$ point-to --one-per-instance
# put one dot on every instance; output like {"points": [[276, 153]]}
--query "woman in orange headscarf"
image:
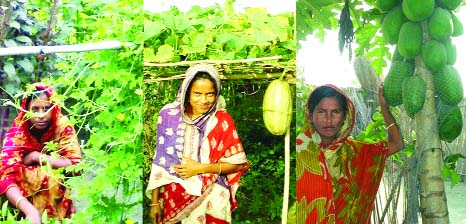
{"points": [[40, 137], [338, 177]]}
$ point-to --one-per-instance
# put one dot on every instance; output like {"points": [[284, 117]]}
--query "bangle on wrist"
{"points": [[220, 170], [154, 204], [18, 201]]}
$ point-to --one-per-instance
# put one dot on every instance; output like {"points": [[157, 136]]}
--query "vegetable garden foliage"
{"points": [[100, 91], [218, 32]]}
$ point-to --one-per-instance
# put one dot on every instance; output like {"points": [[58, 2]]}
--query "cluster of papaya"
{"points": [[424, 28]]}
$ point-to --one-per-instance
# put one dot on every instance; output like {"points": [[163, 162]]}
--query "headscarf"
{"points": [[346, 128], [334, 183]]}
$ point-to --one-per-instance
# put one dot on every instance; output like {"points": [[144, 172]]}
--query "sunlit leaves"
{"points": [[164, 53], [152, 29], [230, 36]]}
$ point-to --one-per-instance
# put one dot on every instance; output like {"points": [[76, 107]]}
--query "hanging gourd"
{"points": [[277, 107]]}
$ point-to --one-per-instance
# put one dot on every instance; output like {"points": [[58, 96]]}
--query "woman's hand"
{"points": [[32, 158], [188, 168], [156, 214], [33, 214], [382, 101]]}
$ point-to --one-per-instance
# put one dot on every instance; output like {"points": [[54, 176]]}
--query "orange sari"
{"points": [[37, 183], [337, 183]]}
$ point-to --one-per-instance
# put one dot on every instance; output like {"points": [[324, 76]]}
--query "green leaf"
{"points": [[198, 43], [152, 29], [149, 54], [26, 65], [455, 178], [10, 87], [15, 24], [164, 53], [9, 43], [10, 70], [24, 39]]}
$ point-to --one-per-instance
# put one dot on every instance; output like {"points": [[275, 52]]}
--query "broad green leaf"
{"points": [[10, 87], [9, 43], [224, 37], [149, 54], [164, 53], [24, 39], [26, 65], [10, 70], [196, 43], [4, 208], [152, 29], [455, 178], [15, 24], [175, 22], [263, 38]]}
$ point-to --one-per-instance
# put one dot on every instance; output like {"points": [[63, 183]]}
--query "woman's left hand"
{"points": [[32, 158], [382, 101], [187, 168]]}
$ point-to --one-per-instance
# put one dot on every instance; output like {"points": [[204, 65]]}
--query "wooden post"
{"points": [[286, 185]]}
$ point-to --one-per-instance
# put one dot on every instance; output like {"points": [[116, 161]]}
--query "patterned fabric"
{"points": [[337, 183], [211, 138], [37, 183]]}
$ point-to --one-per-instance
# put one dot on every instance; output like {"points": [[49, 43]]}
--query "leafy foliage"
{"points": [[449, 168], [216, 33], [101, 92]]}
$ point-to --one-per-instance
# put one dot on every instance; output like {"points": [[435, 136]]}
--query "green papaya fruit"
{"points": [[386, 5], [451, 51], [457, 26], [440, 24], [449, 4], [391, 25], [450, 122], [392, 90], [414, 95], [448, 85], [410, 39], [418, 10], [434, 54]]}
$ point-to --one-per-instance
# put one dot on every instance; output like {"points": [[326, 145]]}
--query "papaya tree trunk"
{"points": [[433, 201]]}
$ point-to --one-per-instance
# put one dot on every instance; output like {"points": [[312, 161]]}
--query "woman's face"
{"points": [[327, 119], [41, 112], [201, 97]]}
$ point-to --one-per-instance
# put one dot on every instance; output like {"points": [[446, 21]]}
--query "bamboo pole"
{"points": [[286, 185], [23, 50], [229, 77], [182, 63]]}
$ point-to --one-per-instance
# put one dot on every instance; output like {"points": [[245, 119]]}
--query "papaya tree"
{"points": [[415, 38]]}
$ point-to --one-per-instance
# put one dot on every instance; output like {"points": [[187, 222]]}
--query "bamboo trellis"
{"points": [[251, 68]]}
